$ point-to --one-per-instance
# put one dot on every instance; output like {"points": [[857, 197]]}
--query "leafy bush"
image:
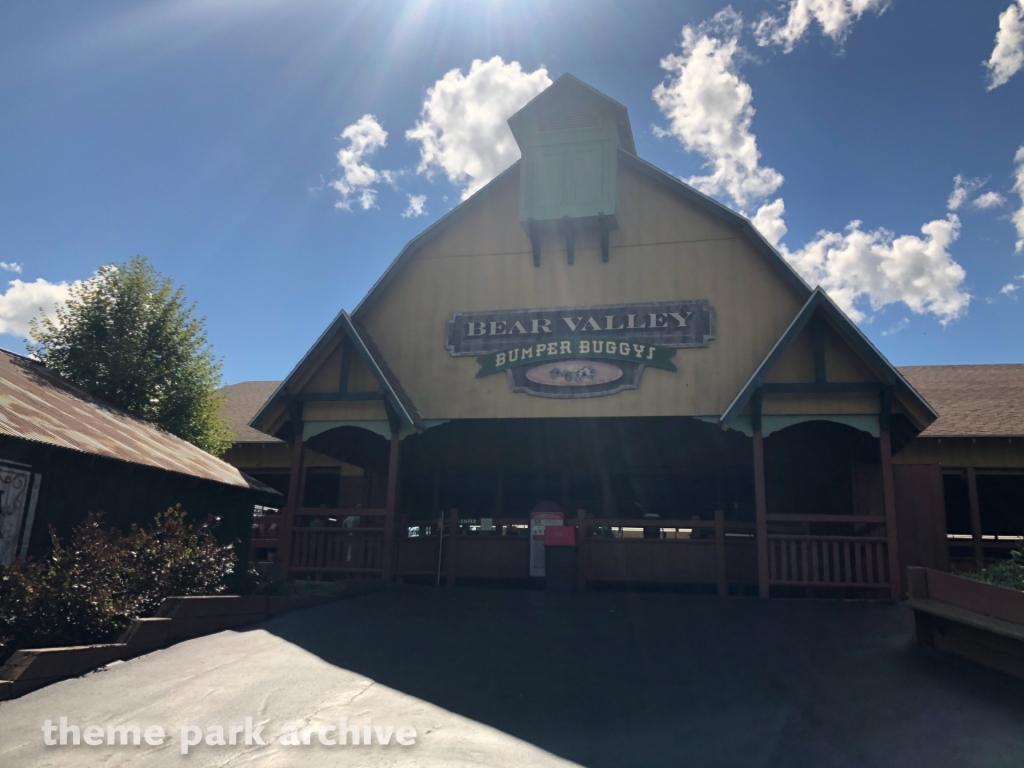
{"points": [[1006, 573], [90, 590]]}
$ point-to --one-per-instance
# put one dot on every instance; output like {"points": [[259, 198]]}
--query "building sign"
{"points": [[14, 497], [580, 351]]}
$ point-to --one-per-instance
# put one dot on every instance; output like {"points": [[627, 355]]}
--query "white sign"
{"points": [[538, 522], [14, 492]]}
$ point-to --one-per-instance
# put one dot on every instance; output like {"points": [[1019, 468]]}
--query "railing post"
{"points": [[975, 507], [389, 513], [284, 528], [581, 552], [889, 501], [761, 514], [723, 579], [453, 535]]}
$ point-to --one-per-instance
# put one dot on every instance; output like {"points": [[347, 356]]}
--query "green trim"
{"points": [[377, 426], [769, 424]]}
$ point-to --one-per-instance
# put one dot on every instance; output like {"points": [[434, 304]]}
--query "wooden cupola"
{"points": [[570, 136]]}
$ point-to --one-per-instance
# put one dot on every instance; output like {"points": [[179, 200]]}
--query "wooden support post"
{"points": [[972, 493], [889, 504], [453, 535], [387, 558], [582, 552], [499, 501], [761, 514], [607, 499], [284, 530], [723, 579]]}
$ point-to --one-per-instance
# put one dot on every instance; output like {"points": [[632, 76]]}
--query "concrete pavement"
{"points": [[520, 678]]}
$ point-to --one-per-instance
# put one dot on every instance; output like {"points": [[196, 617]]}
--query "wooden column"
{"points": [[972, 494], [607, 499], [453, 535], [723, 579], [761, 513], [582, 553], [284, 530], [387, 557], [499, 498], [889, 503]]}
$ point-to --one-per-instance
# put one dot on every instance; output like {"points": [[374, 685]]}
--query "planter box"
{"points": [[978, 621], [177, 619]]}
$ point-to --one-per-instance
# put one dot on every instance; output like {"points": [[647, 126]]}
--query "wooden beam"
{"points": [[824, 388], [335, 397], [390, 507], [817, 329], [889, 504], [284, 532], [761, 514], [723, 579], [346, 368], [602, 224], [453, 536], [582, 551], [534, 241], [972, 495]]}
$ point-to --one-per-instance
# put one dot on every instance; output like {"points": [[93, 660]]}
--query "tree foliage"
{"points": [[1005, 573], [129, 336]]}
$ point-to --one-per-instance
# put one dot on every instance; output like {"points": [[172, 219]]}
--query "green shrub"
{"points": [[1006, 573], [90, 590]]}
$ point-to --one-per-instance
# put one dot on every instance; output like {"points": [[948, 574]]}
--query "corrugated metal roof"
{"points": [[38, 405]]}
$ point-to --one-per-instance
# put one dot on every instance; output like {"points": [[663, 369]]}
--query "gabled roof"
{"points": [[820, 301], [367, 349], [241, 402], [972, 400], [40, 406], [560, 89]]}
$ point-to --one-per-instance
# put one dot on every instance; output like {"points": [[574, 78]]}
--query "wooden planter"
{"points": [[978, 621]]}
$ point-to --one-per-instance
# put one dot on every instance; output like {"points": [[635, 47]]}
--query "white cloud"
{"points": [[709, 110], [963, 188], [10, 266], [1009, 289], [902, 325], [988, 200], [358, 181], [876, 266], [1018, 187], [463, 130], [417, 207], [22, 302], [836, 17], [1008, 55], [769, 221]]}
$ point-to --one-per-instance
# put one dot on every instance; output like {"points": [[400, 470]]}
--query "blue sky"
{"points": [[206, 135]]}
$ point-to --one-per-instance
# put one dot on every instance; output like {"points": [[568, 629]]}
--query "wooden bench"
{"points": [[978, 621]]}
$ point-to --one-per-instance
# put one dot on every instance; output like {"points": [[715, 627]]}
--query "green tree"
{"points": [[129, 336]]}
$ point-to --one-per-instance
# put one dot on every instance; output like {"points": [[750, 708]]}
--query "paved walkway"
{"points": [[517, 678]]}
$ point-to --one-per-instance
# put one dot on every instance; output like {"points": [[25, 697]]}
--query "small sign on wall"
{"points": [[538, 522]]}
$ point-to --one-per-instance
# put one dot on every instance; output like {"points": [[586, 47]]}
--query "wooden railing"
{"points": [[714, 552], [317, 541], [816, 560], [686, 551]]}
